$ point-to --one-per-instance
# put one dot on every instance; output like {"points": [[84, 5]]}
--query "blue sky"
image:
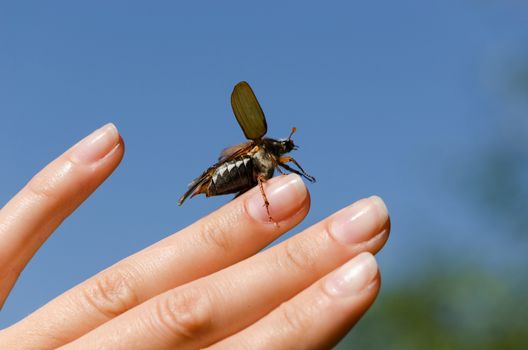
{"points": [[389, 98]]}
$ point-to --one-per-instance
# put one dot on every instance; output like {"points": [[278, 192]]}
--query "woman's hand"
{"points": [[207, 285]]}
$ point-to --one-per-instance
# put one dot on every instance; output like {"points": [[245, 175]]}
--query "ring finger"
{"points": [[319, 316]]}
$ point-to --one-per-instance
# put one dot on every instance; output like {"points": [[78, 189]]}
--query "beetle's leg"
{"points": [[261, 179], [285, 159], [292, 170]]}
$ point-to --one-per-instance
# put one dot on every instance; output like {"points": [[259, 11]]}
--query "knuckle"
{"points": [[111, 292], [299, 255], [184, 314], [294, 319], [216, 233], [51, 183], [43, 187]]}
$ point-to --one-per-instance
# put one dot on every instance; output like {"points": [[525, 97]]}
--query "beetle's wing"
{"points": [[248, 112], [200, 184], [235, 150]]}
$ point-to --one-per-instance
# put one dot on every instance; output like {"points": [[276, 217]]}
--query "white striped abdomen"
{"points": [[234, 176]]}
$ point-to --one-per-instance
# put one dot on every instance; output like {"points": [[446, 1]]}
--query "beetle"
{"points": [[243, 166]]}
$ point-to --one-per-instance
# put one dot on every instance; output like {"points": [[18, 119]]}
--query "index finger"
{"points": [[232, 233]]}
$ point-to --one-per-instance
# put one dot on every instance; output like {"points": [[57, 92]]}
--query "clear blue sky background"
{"points": [[389, 97]]}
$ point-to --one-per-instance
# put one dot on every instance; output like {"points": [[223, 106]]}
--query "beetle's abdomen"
{"points": [[232, 177]]}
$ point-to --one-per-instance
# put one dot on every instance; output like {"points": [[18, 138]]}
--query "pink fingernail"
{"points": [[96, 145], [360, 221], [352, 277], [285, 196]]}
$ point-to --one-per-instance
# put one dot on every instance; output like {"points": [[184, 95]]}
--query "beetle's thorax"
{"points": [[264, 162]]}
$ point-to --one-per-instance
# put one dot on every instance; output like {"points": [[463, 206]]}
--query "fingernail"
{"points": [[352, 277], [285, 196], [96, 145], [359, 222]]}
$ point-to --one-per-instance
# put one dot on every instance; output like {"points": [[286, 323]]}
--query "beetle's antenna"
{"points": [[294, 129]]}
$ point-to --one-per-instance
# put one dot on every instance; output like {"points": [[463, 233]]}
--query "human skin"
{"points": [[208, 285]]}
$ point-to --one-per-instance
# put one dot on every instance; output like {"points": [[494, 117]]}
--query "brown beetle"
{"points": [[251, 163]]}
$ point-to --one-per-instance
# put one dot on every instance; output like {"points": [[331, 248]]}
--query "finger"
{"points": [[49, 197], [212, 308], [230, 234], [318, 317]]}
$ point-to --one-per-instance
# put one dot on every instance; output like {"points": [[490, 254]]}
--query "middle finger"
{"points": [[212, 308]]}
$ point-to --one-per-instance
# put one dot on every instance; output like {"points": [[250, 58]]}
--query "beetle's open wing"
{"points": [[248, 112], [235, 150]]}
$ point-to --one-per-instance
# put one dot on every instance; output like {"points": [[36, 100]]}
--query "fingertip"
{"points": [[109, 161], [286, 195], [95, 146], [381, 208], [359, 222], [119, 150], [353, 277]]}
